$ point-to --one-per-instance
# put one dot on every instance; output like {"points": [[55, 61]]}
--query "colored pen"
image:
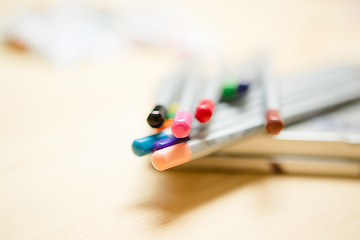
{"points": [[274, 122], [166, 97], [172, 110], [249, 73], [183, 119], [230, 88], [196, 148], [237, 85], [210, 98]]}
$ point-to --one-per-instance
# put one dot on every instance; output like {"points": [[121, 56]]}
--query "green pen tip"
{"points": [[229, 89]]}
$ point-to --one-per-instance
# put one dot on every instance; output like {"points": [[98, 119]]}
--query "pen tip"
{"points": [[180, 129], [204, 111], [171, 157], [182, 124], [157, 117], [274, 123]]}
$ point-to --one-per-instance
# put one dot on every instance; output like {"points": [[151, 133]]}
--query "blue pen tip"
{"points": [[242, 88], [143, 146], [139, 149]]}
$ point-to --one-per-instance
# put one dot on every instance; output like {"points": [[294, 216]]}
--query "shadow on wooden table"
{"points": [[178, 192]]}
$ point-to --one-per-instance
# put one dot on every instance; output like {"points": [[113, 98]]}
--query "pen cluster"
{"points": [[196, 114]]}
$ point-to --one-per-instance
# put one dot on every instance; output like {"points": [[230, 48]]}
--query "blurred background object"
{"points": [[66, 34]]}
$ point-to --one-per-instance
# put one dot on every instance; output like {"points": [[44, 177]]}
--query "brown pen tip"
{"points": [[274, 123]]}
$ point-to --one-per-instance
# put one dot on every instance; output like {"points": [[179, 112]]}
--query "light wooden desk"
{"points": [[67, 171]]}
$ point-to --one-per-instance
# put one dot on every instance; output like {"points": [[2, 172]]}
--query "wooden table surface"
{"points": [[66, 166]]}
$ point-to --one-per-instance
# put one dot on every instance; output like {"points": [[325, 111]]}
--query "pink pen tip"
{"points": [[171, 157], [204, 110], [274, 123], [182, 124]]}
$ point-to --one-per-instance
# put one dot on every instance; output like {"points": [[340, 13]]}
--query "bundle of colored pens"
{"points": [[198, 114]]}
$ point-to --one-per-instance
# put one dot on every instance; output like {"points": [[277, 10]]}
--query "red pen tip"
{"points": [[204, 111]]}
